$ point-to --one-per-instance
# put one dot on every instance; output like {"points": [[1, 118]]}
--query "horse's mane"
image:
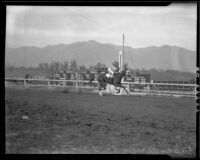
{"points": [[118, 76], [123, 72]]}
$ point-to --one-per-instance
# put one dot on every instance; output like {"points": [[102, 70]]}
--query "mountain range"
{"points": [[91, 52]]}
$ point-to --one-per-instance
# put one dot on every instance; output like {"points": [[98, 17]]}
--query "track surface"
{"points": [[87, 123]]}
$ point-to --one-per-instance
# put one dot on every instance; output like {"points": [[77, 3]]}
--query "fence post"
{"points": [[64, 83], [148, 87], [25, 84], [195, 92], [82, 81], [48, 83], [76, 83], [128, 87]]}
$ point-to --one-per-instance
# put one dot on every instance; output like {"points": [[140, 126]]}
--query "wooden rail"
{"points": [[127, 84], [136, 83]]}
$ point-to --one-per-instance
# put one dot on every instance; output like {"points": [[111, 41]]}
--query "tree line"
{"points": [[56, 67]]}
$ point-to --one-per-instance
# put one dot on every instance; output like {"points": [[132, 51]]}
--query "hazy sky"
{"points": [[142, 26]]}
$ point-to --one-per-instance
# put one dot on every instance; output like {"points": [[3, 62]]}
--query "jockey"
{"points": [[111, 72]]}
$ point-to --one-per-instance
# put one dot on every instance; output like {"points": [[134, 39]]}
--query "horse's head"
{"points": [[130, 73]]}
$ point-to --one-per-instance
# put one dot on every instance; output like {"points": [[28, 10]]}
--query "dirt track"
{"points": [[87, 123]]}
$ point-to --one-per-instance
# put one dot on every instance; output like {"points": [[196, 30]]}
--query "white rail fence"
{"points": [[133, 87]]}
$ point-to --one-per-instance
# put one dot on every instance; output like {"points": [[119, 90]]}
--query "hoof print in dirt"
{"points": [[65, 91], [147, 133], [88, 124]]}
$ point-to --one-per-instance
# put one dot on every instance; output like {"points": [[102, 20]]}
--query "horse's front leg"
{"points": [[127, 92]]}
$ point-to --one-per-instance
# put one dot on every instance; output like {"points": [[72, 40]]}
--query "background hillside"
{"points": [[92, 52]]}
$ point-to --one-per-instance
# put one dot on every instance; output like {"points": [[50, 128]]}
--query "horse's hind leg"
{"points": [[121, 86]]}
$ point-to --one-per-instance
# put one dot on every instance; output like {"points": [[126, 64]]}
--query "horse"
{"points": [[115, 81]]}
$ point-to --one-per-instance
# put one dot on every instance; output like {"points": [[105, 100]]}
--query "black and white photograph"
{"points": [[101, 79]]}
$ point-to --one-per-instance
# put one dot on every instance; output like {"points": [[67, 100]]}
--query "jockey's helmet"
{"points": [[115, 70]]}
